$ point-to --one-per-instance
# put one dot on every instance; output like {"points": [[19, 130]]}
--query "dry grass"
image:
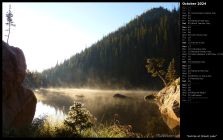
{"points": [[145, 117]]}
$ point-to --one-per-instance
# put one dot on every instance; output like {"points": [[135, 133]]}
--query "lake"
{"points": [[143, 116]]}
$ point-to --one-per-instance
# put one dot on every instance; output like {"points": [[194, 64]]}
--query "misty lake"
{"points": [[143, 116]]}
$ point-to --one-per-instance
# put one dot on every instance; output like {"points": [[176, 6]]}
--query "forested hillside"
{"points": [[118, 59]]}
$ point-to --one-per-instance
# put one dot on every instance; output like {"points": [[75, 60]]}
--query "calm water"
{"points": [[144, 116], [48, 110]]}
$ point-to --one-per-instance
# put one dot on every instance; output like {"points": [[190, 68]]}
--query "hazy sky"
{"points": [[52, 32]]}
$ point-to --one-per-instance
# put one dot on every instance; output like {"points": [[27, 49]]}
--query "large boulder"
{"points": [[119, 96], [168, 100], [19, 103]]}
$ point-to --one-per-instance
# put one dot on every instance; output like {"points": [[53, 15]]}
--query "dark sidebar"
{"points": [[201, 69]]}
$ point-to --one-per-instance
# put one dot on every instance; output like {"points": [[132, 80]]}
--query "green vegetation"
{"points": [[155, 66], [103, 106], [79, 118], [171, 72], [34, 80], [79, 123], [118, 59], [111, 131]]}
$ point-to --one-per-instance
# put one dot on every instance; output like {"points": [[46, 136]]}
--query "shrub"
{"points": [[79, 118], [79, 123]]}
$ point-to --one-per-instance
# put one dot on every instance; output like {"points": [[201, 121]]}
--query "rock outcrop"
{"points": [[19, 103], [119, 96], [168, 100], [150, 97]]}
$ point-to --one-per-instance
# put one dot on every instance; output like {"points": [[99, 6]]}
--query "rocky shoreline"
{"points": [[168, 100]]}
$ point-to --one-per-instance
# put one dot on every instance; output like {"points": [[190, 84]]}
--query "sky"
{"points": [[49, 33]]}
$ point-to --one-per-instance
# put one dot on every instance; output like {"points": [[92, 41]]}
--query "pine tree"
{"points": [[171, 72], [119, 56], [79, 118], [9, 22], [155, 67]]}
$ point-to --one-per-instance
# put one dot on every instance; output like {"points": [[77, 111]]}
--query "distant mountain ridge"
{"points": [[118, 59]]}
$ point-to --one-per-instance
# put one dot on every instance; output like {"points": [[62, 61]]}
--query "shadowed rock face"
{"points": [[19, 103]]}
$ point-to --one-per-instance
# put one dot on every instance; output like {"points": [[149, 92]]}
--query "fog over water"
{"points": [[133, 110]]}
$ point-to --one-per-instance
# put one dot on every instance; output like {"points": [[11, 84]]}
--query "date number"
{"points": [[201, 3]]}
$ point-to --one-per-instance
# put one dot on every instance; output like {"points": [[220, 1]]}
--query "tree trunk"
{"points": [[8, 34], [162, 79]]}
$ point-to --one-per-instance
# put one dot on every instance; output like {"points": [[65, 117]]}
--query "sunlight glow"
{"points": [[49, 33], [44, 109]]}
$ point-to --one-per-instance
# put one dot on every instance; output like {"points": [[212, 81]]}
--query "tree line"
{"points": [[119, 59]]}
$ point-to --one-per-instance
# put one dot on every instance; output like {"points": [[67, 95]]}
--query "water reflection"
{"points": [[46, 110], [144, 117]]}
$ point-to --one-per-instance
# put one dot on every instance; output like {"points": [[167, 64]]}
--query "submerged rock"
{"points": [[168, 100], [119, 96], [19, 103], [79, 96], [150, 97]]}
